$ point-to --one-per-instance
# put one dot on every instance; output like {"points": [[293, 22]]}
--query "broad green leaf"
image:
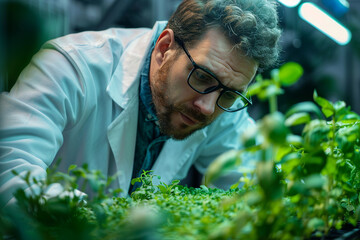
{"points": [[315, 181], [235, 185], [316, 224], [330, 167], [347, 122], [281, 152], [315, 133], [255, 88], [294, 140], [271, 90], [345, 168], [339, 105], [162, 188], [305, 107], [349, 116], [290, 73], [346, 137], [274, 129], [326, 106], [224, 163], [290, 157], [297, 119], [290, 162]]}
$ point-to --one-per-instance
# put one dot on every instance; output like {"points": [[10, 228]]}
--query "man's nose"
{"points": [[206, 103]]}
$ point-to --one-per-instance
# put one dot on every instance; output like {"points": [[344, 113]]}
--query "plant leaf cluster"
{"points": [[305, 184]]}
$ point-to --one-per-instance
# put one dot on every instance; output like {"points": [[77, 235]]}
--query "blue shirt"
{"points": [[149, 139]]}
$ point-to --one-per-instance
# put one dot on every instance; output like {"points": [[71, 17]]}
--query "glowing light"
{"points": [[290, 3], [325, 23]]}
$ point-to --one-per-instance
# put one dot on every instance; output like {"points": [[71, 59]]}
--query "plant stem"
{"points": [[273, 104], [330, 177]]}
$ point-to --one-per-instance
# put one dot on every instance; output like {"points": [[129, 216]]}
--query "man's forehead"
{"points": [[217, 53]]}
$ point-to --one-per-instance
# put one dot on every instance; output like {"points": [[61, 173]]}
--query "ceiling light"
{"points": [[325, 23], [290, 3]]}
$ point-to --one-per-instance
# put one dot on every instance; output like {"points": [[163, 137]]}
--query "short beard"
{"points": [[160, 91]]}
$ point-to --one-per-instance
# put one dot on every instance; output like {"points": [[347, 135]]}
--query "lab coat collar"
{"points": [[123, 85], [124, 90]]}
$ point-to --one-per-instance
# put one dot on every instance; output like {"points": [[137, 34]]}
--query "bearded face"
{"points": [[169, 111], [180, 109]]}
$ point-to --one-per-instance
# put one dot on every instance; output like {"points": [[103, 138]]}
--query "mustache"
{"points": [[193, 113]]}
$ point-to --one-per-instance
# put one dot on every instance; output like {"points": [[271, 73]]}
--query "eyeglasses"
{"points": [[203, 81]]}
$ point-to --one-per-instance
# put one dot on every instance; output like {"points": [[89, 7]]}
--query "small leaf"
{"points": [[271, 90], [203, 187], [294, 140], [135, 180], [72, 167], [297, 119], [326, 106], [162, 188], [175, 182], [255, 88], [290, 73], [309, 107], [15, 172]]}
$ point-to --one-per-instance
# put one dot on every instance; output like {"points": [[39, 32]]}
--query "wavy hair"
{"points": [[252, 25]]}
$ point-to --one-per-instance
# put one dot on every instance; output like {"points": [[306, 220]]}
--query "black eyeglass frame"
{"points": [[220, 85]]}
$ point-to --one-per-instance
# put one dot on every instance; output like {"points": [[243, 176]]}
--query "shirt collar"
{"points": [[145, 91]]}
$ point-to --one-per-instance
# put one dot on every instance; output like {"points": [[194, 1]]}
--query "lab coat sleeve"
{"points": [[47, 98], [225, 135]]}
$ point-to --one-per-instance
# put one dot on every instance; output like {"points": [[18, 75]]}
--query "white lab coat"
{"points": [[78, 100]]}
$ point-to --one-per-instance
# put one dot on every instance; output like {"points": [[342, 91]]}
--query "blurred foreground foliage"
{"points": [[305, 184]]}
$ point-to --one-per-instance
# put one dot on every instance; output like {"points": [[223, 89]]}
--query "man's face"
{"points": [[181, 110]]}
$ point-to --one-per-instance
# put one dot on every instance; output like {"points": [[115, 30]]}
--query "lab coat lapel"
{"points": [[124, 90], [122, 137]]}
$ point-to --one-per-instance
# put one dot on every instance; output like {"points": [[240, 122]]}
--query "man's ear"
{"points": [[164, 43]]}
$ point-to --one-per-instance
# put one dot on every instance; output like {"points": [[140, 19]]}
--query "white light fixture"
{"points": [[290, 3], [325, 23]]}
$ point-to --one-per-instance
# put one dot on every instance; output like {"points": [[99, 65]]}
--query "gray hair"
{"points": [[252, 25]]}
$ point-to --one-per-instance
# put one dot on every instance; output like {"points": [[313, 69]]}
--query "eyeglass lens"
{"points": [[203, 82]]}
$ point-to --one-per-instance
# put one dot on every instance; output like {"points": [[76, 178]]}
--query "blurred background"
{"points": [[331, 65]]}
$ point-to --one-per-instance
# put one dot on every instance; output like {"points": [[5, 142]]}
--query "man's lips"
{"points": [[188, 120]]}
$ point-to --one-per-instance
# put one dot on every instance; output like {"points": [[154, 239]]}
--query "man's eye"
{"points": [[230, 96], [202, 76]]}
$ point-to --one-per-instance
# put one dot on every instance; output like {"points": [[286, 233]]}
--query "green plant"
{"points": [[305, 183]]}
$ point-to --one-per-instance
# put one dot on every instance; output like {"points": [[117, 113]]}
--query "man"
{"points": [[127, 100]]}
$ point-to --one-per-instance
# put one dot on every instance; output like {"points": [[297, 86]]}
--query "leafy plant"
{"points": [[305, 184]]}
